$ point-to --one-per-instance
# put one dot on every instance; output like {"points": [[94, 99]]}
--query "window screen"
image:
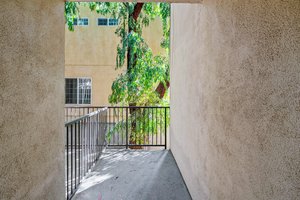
{"points": [[113, 22], [107, 22], [81, 22], [102, 21], [78, 90], [71, 91]]}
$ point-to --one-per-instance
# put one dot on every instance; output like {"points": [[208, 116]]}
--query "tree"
{"points": [[146, 79]]}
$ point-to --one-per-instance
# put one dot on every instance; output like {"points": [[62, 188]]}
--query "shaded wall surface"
{"points": [[235, 98], [31, 99]]}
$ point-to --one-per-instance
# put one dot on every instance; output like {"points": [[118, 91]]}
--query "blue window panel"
{"points": [[113, 22], [102, 22], [81, 22]]}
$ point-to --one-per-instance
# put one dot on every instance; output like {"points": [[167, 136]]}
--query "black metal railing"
{"points": [[132, 127], [85, 140]]}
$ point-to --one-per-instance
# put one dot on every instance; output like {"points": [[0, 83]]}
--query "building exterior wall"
{"points": [[234, 99], [91, 52], [235, 115], [31, 99]]}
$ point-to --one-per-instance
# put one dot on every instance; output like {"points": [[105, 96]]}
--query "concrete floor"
{"points": [[134, 175]]}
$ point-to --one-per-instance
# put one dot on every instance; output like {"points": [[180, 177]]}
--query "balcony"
{"points": [[120, 153], [134, 174]]}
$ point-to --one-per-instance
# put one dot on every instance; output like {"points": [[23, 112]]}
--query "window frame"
{"points": [[107, 20], [97, 21], [81, 24], [77, 89]]}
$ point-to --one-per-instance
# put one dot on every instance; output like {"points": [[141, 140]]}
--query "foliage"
{"points": [[149, 123], [71, 12], [144, 70]]}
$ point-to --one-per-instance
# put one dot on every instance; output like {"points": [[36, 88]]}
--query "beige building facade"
{"points": [[90, 54], [235, 112]]}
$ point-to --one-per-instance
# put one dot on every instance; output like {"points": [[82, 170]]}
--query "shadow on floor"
{"points": [[134, 175]]}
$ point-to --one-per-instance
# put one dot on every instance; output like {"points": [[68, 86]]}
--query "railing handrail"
{"points": [[85, 116], [136, 126], [85, 140], [117, 106]]}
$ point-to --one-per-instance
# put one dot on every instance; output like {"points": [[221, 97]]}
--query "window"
{"points": [[78, 90], [81, 22], [107, 22], [102, 22], [113, 22]]}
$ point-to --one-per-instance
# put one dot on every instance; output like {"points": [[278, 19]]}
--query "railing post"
{"points": [[165, 128], [75, 159], [79, 152], [71, 159], [67, 154], [127, 128]]}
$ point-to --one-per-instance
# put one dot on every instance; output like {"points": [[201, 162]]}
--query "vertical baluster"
{"points": [[82, 148], [79, 152], [85, 143], [126, 127], [152, 125], [75, 144], [160, 125], [148, 125], [67, 153], [92, 141], [144, 125], [94, 138], [71, 159], [113, 135], [165, 128], [118, 121], [99, 133], [89, 144], [156, 124], [109, 128], [135, 122], [122, 126]]}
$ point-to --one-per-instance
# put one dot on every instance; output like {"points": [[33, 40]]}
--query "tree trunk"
{"points": [[133, 111], [161, 89]]}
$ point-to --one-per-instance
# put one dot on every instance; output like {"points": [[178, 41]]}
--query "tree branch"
{"points": [[137, 10], [161, 89]]}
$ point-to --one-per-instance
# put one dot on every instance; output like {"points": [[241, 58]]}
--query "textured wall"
{"points": [[235, 98], [31, 99]]}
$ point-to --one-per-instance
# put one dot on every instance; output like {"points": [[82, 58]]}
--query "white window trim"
{"points": [[77, 104]]}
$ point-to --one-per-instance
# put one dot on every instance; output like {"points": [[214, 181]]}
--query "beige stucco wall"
{"points": [[234, 99], [31, 99], [235, 113], [90, 51]]}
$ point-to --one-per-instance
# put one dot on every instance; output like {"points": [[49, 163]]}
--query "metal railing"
{"points": [[85, 140], [132, 127]]}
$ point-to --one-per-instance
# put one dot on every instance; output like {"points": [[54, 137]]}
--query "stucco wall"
{"points": [[235, 113], [31, 99]]}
